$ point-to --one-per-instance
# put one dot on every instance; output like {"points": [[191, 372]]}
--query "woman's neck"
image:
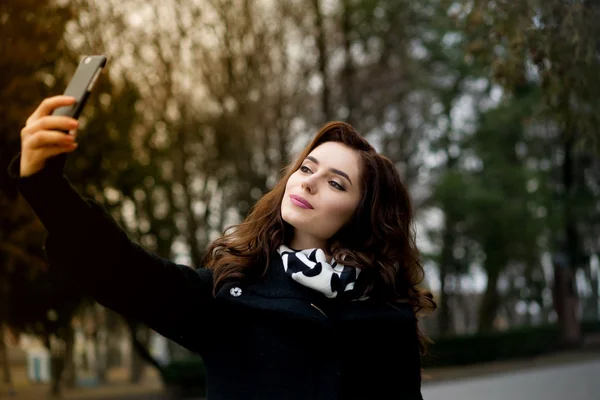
{"points": [[302, 242]]}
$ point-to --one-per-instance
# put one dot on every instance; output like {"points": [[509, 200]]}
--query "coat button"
{"points": [[235, 291]]}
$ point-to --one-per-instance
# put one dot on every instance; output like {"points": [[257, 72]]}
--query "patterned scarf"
{"points": [[311, 269]]}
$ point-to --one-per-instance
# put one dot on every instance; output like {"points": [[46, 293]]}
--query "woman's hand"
{"points": [[44, 135]]}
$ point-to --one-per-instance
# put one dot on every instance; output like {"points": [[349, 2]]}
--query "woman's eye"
{"points": [[305, 169], [336, 185]]}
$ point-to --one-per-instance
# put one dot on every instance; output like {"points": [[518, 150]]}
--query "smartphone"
{"points": [[81, 85]]}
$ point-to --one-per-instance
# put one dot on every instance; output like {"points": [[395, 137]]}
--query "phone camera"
{"points": [[87, 60]]}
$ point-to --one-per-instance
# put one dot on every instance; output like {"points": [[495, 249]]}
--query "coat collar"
{"points": [[280, 294]]}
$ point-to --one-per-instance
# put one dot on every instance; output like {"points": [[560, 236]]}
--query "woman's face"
{"points": [[322, 195]]}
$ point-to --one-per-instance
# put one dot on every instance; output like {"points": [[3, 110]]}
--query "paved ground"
{"points": [[499, 367], [578, 381], [571, 375], [118, 388]]}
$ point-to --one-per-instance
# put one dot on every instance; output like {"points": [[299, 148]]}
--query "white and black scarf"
{"points": [[311, 269]]}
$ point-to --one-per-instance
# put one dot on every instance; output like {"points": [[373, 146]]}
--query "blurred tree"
{"points": [[31, 49], [558, 39], [557, 42], [507, 235], [452, 74], [453, 85], [493, 197], [322, 58]]}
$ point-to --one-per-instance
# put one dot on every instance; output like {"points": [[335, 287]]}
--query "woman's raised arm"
{"points": [[86, 241]]}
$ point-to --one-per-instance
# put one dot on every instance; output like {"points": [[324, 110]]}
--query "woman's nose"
{"points": [[308, 185]]}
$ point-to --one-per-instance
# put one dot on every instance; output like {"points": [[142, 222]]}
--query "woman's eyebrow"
{"points": [[335, 171]]}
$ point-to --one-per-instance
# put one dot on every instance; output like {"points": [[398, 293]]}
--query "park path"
{"points": [[573, 381]]}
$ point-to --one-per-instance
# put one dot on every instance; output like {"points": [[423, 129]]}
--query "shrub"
{"points": [[496, 346], [185, 377]]}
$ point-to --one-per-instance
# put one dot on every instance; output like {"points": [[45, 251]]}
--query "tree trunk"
{"points": [[565, 289], [447, 261], [70, 373], [57, 365], [6, 373], [140, 339], [138, 336], [322, 60], [4, 307], [100, 351], [566, 304], [490, 301], [349, 69], [114, 332], [444, 313], [445, 320]]}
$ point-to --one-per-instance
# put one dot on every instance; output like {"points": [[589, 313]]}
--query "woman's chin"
{"points": [[298, 223], [293, 221]]}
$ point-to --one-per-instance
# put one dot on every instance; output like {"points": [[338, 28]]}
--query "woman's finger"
{"points": [[48, 138], [46, 152], [58, 123], [48, 105]]}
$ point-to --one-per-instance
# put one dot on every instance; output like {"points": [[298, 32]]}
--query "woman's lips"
{"points": [[300, 202]]}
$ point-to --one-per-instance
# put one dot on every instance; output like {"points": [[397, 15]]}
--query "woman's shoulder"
{"points": [[204, 273]]}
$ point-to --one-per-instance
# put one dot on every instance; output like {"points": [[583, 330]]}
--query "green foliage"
{"points": [[498, 346], [484, 192], [493, 346], [557, 38], [185, 377], [500, 208], [590, 326]]}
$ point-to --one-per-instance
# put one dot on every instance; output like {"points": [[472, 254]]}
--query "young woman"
{"points": [[314, 296]]}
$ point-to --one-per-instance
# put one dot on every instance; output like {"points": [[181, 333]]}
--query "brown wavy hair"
{"points": [[379, 239]]}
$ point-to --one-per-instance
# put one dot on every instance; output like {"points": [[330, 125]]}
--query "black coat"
{"points": [[271, 339]]}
